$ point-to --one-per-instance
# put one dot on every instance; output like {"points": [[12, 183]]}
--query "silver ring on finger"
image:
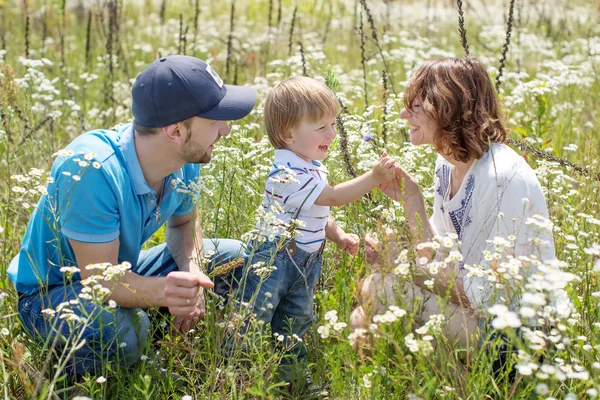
{"points": [[187, 301]]}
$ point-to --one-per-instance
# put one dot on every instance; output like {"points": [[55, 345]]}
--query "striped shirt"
{"points": [[295, 184]]}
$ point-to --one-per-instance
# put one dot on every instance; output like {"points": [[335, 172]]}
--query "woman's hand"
{"points": [[374, 247], [403, 185], [385, 169]]}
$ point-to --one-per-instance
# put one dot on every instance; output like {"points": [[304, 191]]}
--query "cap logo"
{"points": [[214, 75]]}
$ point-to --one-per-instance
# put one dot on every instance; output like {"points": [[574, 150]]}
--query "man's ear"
{"points": [[173, 133]]}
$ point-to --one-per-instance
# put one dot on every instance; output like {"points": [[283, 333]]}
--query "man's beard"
{"points": [[194, 155]]}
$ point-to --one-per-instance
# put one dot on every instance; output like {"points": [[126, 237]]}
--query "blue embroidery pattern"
{"points": [[461, 216], [443, 173]]}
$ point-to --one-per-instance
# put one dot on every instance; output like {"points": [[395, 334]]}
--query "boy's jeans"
{"points": [[111, 336], [285, 298]]}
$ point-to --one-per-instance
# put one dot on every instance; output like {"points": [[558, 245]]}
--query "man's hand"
{"points": [[184, 324], [349, 242], [385, 169], [184, 294]]}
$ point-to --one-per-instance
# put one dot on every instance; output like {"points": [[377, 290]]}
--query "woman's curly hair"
{"points": [[458, 94]]}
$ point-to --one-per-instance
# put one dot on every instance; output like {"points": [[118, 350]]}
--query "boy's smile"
{"points": [[311, 140]]}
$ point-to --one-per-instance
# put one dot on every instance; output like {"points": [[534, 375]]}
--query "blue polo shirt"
{"points": [[98, 194]]}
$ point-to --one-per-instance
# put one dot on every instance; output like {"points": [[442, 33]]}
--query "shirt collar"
{"points": [[131, 159], [287, 158]]}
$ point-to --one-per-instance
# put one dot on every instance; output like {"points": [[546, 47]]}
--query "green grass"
{"points": [[551, 92]]}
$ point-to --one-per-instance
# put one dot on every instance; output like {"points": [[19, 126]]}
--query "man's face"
{"points": [[199, 140]]}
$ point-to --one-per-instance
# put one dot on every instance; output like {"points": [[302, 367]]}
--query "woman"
{"points": [[483, 191]]}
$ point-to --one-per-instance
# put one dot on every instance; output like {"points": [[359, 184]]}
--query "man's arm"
{"points": [[130, 290], [179, 291], [184, 240]]}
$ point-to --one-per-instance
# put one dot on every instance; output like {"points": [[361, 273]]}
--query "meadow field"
{"points": [[68, 67]]}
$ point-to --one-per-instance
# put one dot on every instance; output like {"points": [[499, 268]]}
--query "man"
{"points": [[109, 192]]}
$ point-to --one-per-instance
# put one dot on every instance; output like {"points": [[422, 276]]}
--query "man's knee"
{"points": [[223, 250], [134, 334], [118, 337], [123, 334]]}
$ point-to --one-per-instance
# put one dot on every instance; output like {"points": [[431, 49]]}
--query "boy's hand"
{"points": [[385, 169], [349, 242]]}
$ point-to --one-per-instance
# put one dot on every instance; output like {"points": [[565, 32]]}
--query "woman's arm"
{"points": [[405, 188], [446, 281]]}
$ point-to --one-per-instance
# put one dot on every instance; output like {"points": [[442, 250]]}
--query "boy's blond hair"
{"points": [[292, 100]]}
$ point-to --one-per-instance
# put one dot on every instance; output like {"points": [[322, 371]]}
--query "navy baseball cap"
{"points": [[175, 88]]}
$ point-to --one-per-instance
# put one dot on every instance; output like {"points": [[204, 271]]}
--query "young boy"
{"points": [[300, 118]]}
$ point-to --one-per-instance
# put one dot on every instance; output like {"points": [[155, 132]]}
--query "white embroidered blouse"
{"points": [[489, 204]]}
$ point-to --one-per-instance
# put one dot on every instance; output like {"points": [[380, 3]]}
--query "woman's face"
{"points": [[422, 127]]}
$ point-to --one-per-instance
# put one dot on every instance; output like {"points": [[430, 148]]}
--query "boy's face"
{"points": [[311, 140]]}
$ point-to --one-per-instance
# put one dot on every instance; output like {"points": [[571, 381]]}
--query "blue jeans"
{"points": [[118, 336], [285, 298]]}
